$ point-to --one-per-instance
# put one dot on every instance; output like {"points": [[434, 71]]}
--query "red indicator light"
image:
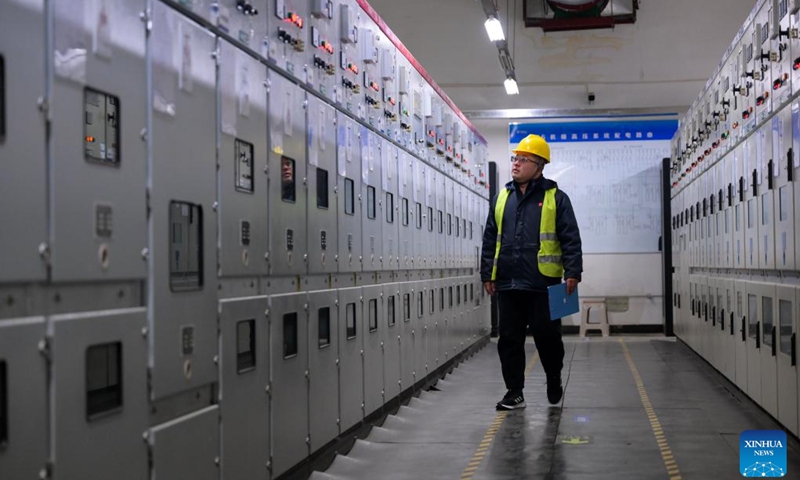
{"points": [[89, 139]]}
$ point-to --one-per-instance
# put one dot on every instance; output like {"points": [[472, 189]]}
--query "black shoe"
{"points": [[554, 389], [512, 401]]}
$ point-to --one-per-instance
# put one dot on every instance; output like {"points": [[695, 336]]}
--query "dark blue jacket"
{"points": [[517, 267]]}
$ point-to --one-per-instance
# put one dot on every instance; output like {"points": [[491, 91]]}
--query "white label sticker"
{"points": [[323, 128], [349, 143], [313, 153], [342, 150], [244, 89], [185, 80], [265, 51], [287, 115], [101, 38]]}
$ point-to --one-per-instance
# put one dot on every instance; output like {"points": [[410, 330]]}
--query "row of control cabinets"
{"points": [[177, 150], [294, 370], [747, 329], [742, 212], [735, 219], [758, 76], [337, 49], [339, 196]]}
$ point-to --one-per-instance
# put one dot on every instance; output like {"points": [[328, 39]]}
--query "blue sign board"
{"points": [[598, 131]]}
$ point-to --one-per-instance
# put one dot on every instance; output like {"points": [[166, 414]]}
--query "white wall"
{"points": [[637, 276]]}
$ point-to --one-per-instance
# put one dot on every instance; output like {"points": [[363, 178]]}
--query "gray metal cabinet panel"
{"points": [[369, 41], [391, 207], [351, 358], [287, 180], [425, 240], [323, 244], [784, 158], [440, 193], [25, 452], [752, 205], [323, 50], [183, 169], [461, 316], [786, 317], [374, 318], [99, 156], [419, 316], [244, 377], [242, 161], [409, 363], [100, 382], [450, 223], [459, 211], [466, 311], [348, 195], [795, 169], [22, 146], [350, 94], [371, 201], [392, 340], [289, 331], [444, 321], [323, 355], [287, 38], [466, 219], [187, 447], [409, 216], [766, 200], [432, 317]]}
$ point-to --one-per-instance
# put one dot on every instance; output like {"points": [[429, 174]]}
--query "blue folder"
{"points": [[561, 304]]}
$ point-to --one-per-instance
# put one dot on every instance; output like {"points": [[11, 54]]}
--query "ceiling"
{"points": [[663, 60]]}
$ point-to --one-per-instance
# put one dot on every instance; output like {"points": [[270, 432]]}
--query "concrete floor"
{"points": [[681, 421]]}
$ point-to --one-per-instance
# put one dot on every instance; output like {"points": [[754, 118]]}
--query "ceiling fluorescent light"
{"points": [[495, 30], [511, 86]]}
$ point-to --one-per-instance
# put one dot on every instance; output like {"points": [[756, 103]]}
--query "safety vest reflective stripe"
{"points": [[550, 249], [549, 256], [550, 259]]}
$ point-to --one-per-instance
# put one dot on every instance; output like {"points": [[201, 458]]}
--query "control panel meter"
{"points": [[243, 153], [322, 59], [100, 127], [287, 39]]}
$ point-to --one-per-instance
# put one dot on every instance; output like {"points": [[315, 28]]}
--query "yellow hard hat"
{"points": [[534, 144]]}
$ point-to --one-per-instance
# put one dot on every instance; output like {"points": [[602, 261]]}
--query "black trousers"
{"points": [[518, 310]]}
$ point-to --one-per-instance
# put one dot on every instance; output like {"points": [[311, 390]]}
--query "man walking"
{"points": [[531, 241]]}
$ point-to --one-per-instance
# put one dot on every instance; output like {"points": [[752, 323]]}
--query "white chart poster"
{"points": [[611, 172]]}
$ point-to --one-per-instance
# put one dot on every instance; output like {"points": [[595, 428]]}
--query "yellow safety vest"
{"points": [[549, 256]]}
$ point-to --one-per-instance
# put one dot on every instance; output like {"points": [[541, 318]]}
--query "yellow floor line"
{"points": [[477, 458], [666, 453]]}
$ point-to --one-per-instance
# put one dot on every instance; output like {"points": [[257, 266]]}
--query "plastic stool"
{"points": [[586, 310]]}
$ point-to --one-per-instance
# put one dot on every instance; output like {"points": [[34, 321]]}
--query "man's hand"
{"points": [[489, 287], [572, 283]]}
